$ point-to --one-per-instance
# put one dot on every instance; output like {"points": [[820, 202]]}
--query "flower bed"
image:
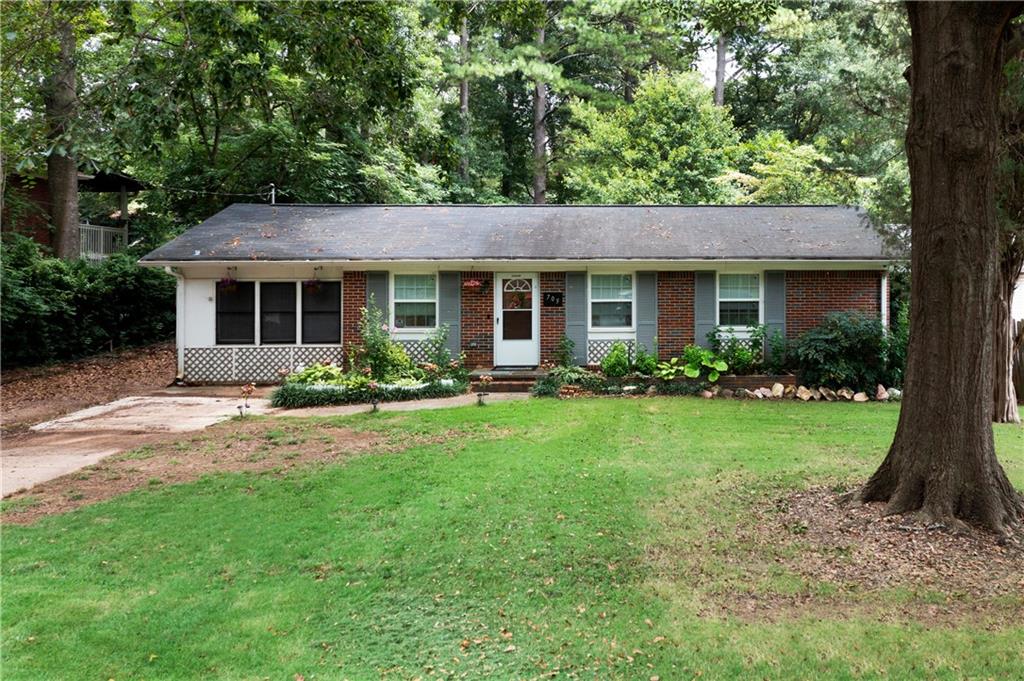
{"points": [[295, 395]]}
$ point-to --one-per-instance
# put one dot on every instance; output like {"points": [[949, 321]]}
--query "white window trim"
{"points": [[625, 332], [419, 332], [741, 332], [257, 309]]}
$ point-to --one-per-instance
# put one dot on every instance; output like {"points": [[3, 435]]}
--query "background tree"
{"points": [[669, 146], [942, 461]]}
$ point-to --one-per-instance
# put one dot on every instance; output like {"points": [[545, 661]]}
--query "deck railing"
{"points": [[99, 241]]}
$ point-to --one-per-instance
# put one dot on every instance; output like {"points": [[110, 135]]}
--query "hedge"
{"points": [[55, 309], [296, 395]]}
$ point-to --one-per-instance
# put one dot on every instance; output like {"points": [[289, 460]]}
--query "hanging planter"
{"points": [[481, 285], [227, 285], [313, 286]]}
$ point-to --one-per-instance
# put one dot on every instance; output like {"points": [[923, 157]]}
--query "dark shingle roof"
{"points": [[553, 232]]}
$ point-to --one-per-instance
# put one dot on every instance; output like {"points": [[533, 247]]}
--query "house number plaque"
{"points": [[554, 299]]}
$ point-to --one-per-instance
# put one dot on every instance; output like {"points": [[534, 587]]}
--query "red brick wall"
{"points": [[477, 320], [675, 313], [353, 292], [811, 295], [552, 319]]}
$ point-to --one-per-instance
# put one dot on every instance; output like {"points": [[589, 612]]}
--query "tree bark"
{"points": [[464, 100], [721, 60], [540, 133], [1004, 336], [61, 102], [942, 461]]}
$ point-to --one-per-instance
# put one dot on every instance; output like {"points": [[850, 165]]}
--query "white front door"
{"points": [[516, 320]]}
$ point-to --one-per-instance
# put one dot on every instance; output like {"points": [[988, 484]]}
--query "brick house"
{"points": [[266, 288]]}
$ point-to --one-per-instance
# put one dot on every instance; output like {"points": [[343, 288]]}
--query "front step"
{"points": [[506, 380]]}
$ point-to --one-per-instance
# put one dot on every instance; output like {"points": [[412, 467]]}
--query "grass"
{"points": [[584, 538]]}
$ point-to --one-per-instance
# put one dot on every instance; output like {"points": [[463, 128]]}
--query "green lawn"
{"points": [[591, 538]]}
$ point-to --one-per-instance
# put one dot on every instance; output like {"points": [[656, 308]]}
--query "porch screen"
{"points": [[321, 313], [277, 313], [236, 313]]}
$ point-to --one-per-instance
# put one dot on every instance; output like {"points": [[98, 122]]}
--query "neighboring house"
{"points": [[27, 205], [265, 288]]}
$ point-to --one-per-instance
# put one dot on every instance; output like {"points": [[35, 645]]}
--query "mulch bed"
{"points": [[941, 576], [34, 394]]}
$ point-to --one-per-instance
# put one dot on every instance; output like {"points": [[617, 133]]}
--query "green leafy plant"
{"points": [[777, 359], [695, 363], [744, 355], [616, 363], [846, 349], [440, 363], [565, 352], [378, 355], [645, 362], [899, 336], [317, 373]]}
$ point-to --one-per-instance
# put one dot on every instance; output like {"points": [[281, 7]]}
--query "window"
{"points": [[739, 300], [611, 301], [236, 313], [277, 313], [415, 301], [321, 312]]}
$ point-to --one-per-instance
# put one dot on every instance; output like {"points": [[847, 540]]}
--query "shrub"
{"points": [[54, 309], [846, 349], [317, 373], [743, 355], [547, 386], [565, 353], [579, 376], [357, 388], [777, 361], [899, 336], [381, 357], [645, 363], [440, 363], [616, 363]]}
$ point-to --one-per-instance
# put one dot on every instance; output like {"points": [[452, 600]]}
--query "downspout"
{"points": [[179, 321]]}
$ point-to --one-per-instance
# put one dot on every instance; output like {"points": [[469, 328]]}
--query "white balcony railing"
{"points": [[99, 241]]}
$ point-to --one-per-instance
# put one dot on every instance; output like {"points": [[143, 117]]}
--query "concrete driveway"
{"points": [[82, 438]]}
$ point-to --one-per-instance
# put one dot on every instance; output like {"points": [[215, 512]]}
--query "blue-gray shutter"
{"points": [[576, 313], [646, 310], [449, 308], [704, 316], [774, 305], [377, 291]]}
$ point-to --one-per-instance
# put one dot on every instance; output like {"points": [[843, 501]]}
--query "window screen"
{"points": [[611, 300], [739, 300], [321, 313], [415, 301], [277, 313], [236, 310]]}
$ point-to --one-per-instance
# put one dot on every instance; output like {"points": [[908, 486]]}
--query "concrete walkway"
{"points": [[82, 438], [69, 443]]}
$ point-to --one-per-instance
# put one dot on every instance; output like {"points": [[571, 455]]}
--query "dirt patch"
{"points": [[927, 573], [258, 445], [31, 395]]}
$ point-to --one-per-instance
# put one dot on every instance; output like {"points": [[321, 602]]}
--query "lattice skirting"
{"points": [[597, 349], [264, 364], [417, 350]]}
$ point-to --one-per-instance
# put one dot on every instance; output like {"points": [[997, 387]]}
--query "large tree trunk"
{"points": [[61, 169], [464, 100], [540, 134], [942, 461], [1004, 335], [721, 60]]}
